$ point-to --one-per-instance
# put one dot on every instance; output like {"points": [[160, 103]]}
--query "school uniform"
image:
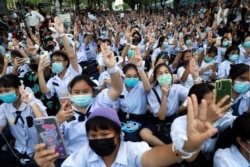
{"points": [[74, 131], [189, 82], [206, 75], [155, 53], [90, 50], [60, 86], [179, 132], [23, 130], [81, 55], [230, 157], [129, 154], [241, 104], [223, 69], [21, 71], [242, 58]]}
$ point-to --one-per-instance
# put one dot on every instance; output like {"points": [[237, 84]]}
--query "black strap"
{"points": [[157, 96], [81, 116], [235, 108], [18, 115]]}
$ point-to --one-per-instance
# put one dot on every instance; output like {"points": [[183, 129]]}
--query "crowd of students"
{"points": [[141, 87]]}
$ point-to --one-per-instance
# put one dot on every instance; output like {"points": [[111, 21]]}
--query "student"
{"points": [[245, 51], [238, 154], [65, 66], [132, 103], [83, 100], [240, 75], [106, 148], [161, 103], [18, 110]]}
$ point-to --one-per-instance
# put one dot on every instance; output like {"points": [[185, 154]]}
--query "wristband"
{"points": [[198, 79], [62, 35], [181, 153], [112, 70], [31, 103], [128, 43], [141, 68]]}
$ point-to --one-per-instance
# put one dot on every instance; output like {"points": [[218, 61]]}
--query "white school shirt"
{"points": [[177, 93], [189, 82], [206, 75], [129, 155], [26, 137], [179, 130], [21, 71], [81, 55], [135, 101], [242, 58], [74, 132], [155, 53], [229, 157], [244, 102], [223, 69], [60, 86], [34, 18]]}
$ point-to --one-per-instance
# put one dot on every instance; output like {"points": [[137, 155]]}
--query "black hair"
{"points": [[160, 55], [230, 49], [160, 41], [102, 123], [200, 90], [107, 40], [62, 54], [130, 66], [1, 63], [213, 49], [186, 37], [241, 128], [238, 69], [10, 80], [16, 53], [157, 68], [84, 78], [184, 52], [137, 33]]}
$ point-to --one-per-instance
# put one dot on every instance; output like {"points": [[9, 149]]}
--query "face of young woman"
{"points": [[81, 88], [162, 70]]}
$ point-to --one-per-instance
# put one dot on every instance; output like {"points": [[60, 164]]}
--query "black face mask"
{"points": [[50, 47], [185, 63], [102, 147], [33, 67], [26, 9], [135, 41]]}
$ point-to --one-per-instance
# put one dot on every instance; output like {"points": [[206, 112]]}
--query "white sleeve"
{"points": [[222, 159]]}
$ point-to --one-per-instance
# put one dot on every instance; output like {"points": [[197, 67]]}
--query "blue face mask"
{"points": [[247, 44], [104, 32], [82, 100], [9, 97], [208, 29], [57, 67], [208, 59], [77, 45], [241, 87], [225, 43], [121, 34], [233, 57], [188, 42], [131, 53], [164, 79], [165, 45], [131, 82]]}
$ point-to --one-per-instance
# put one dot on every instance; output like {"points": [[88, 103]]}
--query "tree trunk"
{"points": [[3, 7]]}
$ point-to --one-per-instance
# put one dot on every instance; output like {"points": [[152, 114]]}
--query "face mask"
{"points": [[164, 79], [9, 97], [131, 53], [50, 47], [188, 42], [57, 67], [233, 57], [165, 45], [208, 59], [131, 82], [167, 63], [247, 44], [81, 100], [185, 62], [33, 67], [208, 29], [77, 45], [102, 147], [121, 34], [225, 43], [104, 32], [241, 87]]}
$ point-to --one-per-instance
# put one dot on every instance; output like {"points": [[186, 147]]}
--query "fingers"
{"points": [[195, 105], [21, 90], [210, 131], [190, 114], [202, 115], [223, 100]]}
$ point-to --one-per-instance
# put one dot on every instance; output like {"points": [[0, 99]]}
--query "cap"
{"points": [[106, 112]]}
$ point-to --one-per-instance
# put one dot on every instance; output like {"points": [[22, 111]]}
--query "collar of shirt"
{"points": [[22, 107]]}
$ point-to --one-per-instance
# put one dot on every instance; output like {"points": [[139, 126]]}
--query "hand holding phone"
{"points": [[223, 88], [50, 134]]}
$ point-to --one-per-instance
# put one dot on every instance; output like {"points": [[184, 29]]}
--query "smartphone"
{"points": [[8, 56], [50, 134], [44, 54], [223, 87], [64, 99]]}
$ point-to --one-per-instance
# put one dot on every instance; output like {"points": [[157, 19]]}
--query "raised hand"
{"points": [[193, 68], [43, 63], [165, 89], [26, 96], [58, 25], [108, 56], [198, 129], [65, 112]]}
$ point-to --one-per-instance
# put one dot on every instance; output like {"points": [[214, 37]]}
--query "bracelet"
{"points": [[198, 79], [128, 44], [62, 35], [181, 153], [112, 70], [141, 68], [31, 103]]}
